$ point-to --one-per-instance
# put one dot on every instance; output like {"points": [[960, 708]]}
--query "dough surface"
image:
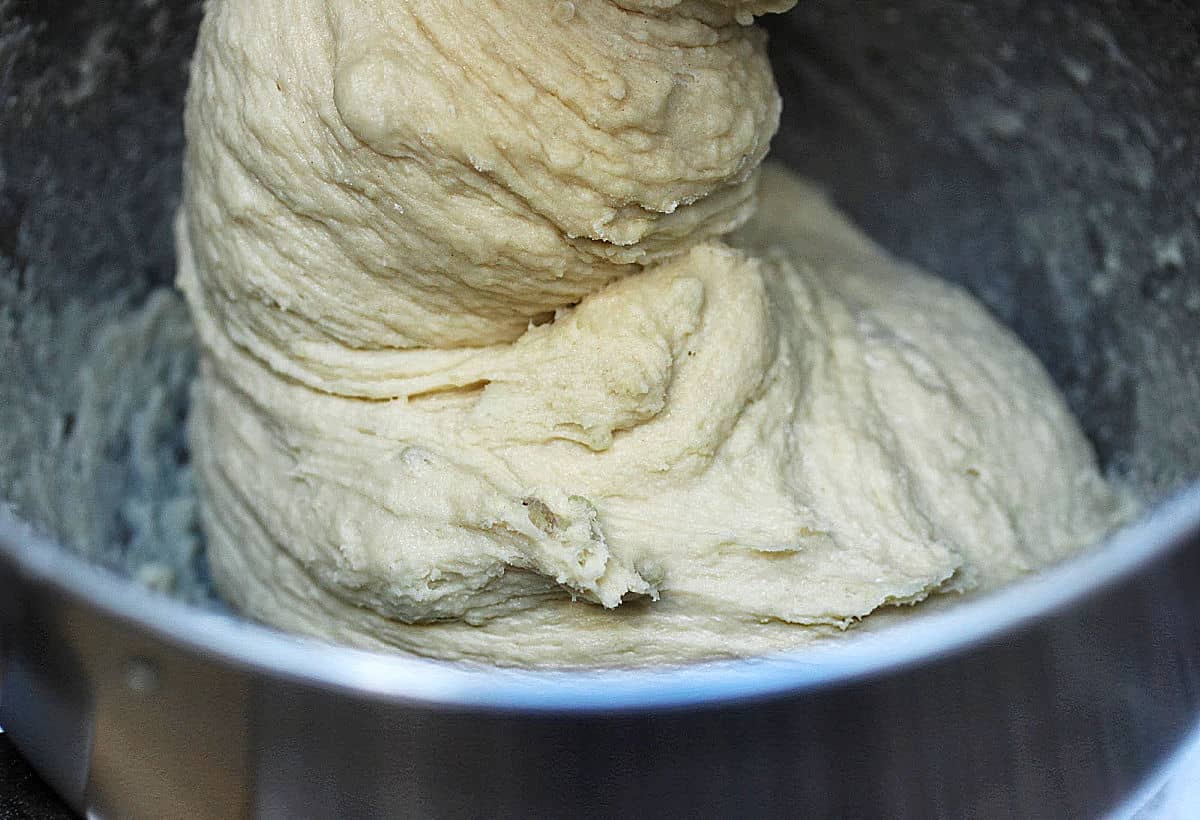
{"points": [[500, 363]]}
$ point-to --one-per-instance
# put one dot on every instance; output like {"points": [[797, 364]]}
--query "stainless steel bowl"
{"points": [[1046, 155]]}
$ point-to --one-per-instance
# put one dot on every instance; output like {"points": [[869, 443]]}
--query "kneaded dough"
{"points": [[498, 364]]}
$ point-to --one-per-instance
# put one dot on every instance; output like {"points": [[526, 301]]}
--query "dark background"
{"points": [[23, 796]]}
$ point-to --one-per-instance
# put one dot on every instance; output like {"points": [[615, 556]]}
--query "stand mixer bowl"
{"points": [[1046, 156]]}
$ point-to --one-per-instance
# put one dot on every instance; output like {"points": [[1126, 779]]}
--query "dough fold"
{"points": [[498, 365]]}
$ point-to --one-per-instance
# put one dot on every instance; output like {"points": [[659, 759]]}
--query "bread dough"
{"points": [[497, 365]]}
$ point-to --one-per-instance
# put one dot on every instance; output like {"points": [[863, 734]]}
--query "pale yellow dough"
{"points": [[481, 379]]}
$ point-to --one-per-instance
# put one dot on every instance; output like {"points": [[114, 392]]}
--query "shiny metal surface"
{"points": [[1046, 155], [1056, 697]]}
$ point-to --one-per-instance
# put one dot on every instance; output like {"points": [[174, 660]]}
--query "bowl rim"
{"points": [[381, 676]]}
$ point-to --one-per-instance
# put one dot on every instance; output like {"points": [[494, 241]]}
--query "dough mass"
{"points": [[501, 362]]}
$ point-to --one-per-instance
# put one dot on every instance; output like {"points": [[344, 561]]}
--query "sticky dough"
{"points": [[499, 364]]}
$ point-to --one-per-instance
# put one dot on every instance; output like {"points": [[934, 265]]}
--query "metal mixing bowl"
{"points": [[1047, 155]]}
